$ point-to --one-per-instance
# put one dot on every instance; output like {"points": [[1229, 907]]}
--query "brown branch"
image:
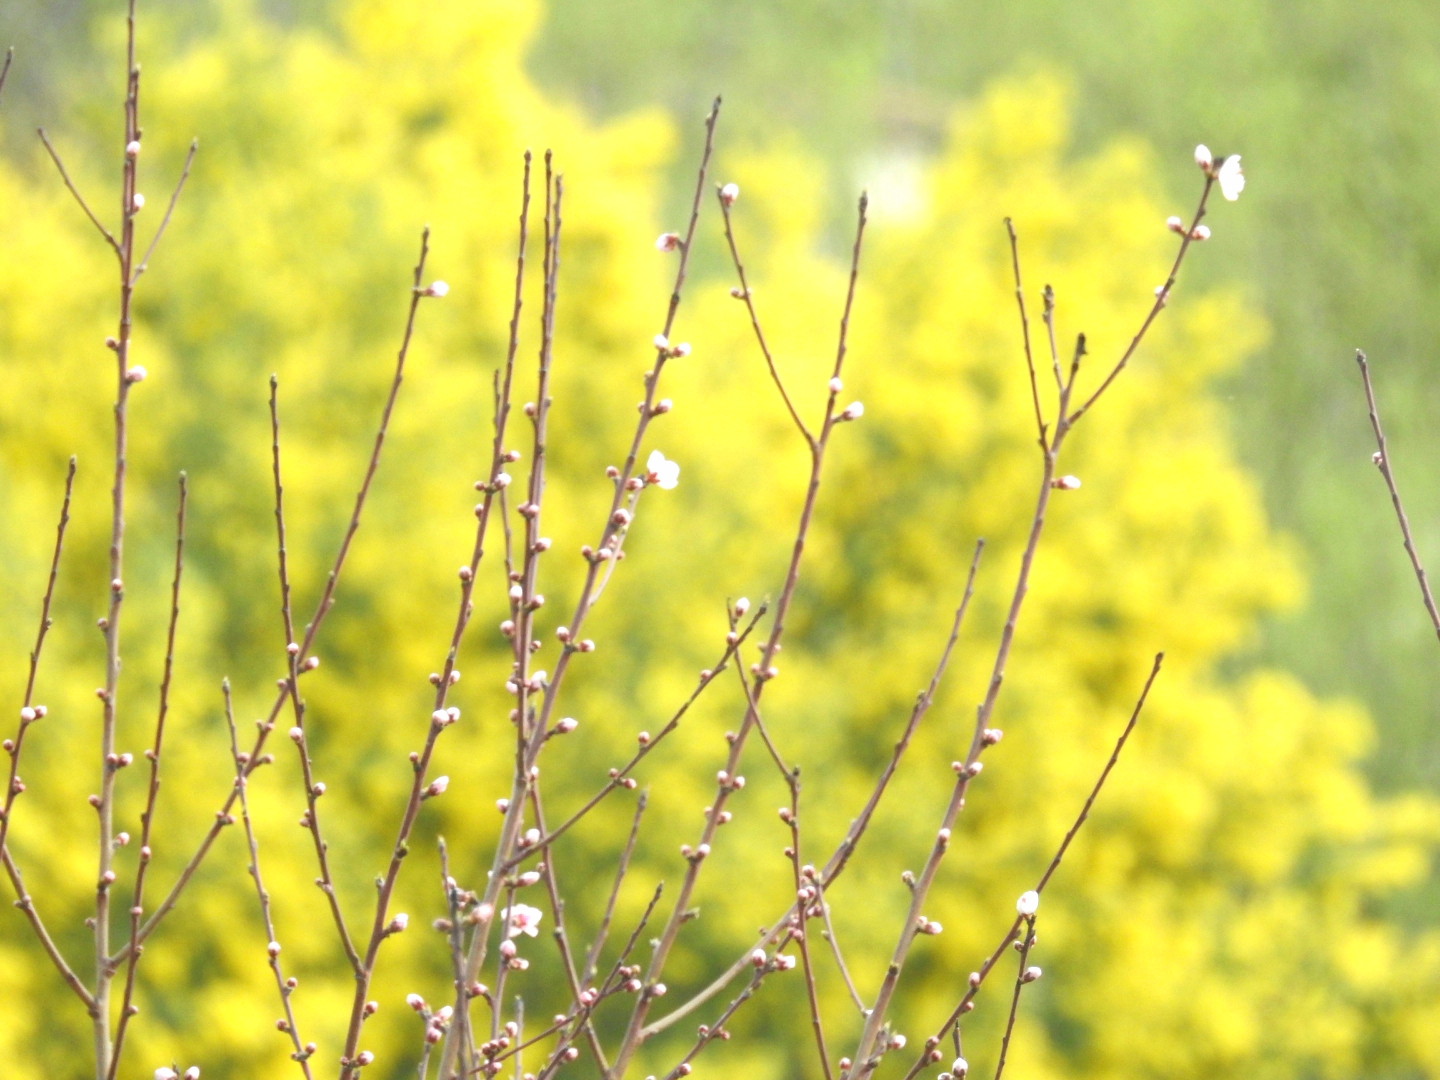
{"points": [[840, 858], [311, 818], [169, 210], [592, 957], [729, 776], [805, 894], [510, 830], [65, 176], [977, 979], [147, 818], [744, 293], [970, 767], [284, 987], [1162, 294], [1025, 329], [1382, 459], [1021, 973], [28, 712], [27, 907], [109, 759], [5, 70], [557, 908], [327, 600]]}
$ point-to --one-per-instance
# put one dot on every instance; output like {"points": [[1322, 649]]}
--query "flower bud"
{"points": [[437, 786], [1028, 904], [667, 241], [437, 289], [853, 411], [729, 193]]}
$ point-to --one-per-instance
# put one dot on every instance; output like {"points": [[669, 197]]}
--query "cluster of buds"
{"points": [[728, 782], [671, 352], [629, 783], [443, 718], [29, 714], [630, 978], [1175, 225]]}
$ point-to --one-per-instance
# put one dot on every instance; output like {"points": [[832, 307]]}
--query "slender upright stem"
{"points": [[729, 776], [147, 817], [1382, 459], [283, 987], [978, 978], [108, 759], [612, 533]]}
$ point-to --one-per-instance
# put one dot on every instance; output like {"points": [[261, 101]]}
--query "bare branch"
{"points": [[65, 175], [169, 210], [1382, 459], [147, 817], [283, 986], [1025, 328]]}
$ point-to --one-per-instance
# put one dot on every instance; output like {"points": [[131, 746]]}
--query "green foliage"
{"points": [[1220, 913]]}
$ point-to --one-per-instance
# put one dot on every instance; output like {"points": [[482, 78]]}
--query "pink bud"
{"points": [[273, 949], [437, 786], [415, 1001], [729, 193], [668, 241]]}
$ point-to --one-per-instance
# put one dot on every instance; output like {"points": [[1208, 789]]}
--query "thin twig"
{"points": [[967, 769], [1382, 459], [744, 293], [592, 957], [65, 176], [169, 210], [841, 856], [1026, 943], [312, 629], [147, 818], [4, 71], [1025, 329], [978, 978], [729, 780], [109, 759], [28, 713], [510, 830], [283, 986], [298, 735]]}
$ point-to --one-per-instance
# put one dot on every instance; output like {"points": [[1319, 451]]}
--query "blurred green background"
{"points": [[1291, 948]]}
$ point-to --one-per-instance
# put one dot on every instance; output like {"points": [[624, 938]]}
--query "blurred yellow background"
{"points": [[1230, 908]]}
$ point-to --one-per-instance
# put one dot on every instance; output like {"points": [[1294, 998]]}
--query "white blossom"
{"points": [[661, 472], [1203, 157], [1029, 903], [1231, 177]]}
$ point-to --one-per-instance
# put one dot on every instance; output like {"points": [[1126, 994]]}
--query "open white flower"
{"points": [[663, 473], [522, 919], [1231, 177]]}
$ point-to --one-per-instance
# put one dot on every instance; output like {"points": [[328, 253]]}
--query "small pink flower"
{"points": [[522, 919]]}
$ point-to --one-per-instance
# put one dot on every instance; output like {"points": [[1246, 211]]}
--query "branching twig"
{"points": [[977, 979], [283, 986], [65, 176], [169, 210]]}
